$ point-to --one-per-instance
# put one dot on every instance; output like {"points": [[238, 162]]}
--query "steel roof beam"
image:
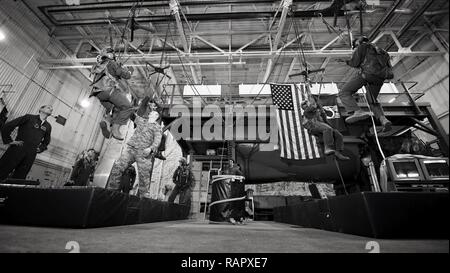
{"points": [[270, 63], [175, 8], [388, 16], [155, 4], [245, 55], [412, 20]]}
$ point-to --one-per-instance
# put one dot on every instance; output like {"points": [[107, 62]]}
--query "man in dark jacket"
{"points": [[232, 169], [183, 180], [127, 180], [33, 137], [84, 168], [371, 75]]}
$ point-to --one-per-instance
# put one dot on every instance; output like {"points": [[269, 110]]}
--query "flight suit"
{"points": [[35, 135], [183, 179], [373, 85], [313, 122], [109, 87]]}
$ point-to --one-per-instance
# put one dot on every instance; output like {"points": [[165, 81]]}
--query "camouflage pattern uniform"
{"points": [[145, 136], [110, 87]]}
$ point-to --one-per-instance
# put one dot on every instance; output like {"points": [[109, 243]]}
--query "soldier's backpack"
{"points": [[377, 63]]}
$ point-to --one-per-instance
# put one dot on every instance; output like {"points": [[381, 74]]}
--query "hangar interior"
{"points": [[188, 55]]}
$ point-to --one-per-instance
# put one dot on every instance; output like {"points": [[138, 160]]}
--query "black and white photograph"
{"points": [[220, 133]]}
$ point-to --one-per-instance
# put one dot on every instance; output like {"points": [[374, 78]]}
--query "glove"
{"points": [[16, 143], [149, 151]]}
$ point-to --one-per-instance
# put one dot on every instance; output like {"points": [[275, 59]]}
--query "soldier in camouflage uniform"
{"points": [[141, 147]]}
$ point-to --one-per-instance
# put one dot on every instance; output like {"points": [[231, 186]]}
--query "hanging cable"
{"points": [[347, 22], [184, 16], [271, 69], [191, 83], [188, 79], [340, 175], [301, 53], [161, 69], [374, 126], [331, 28]]}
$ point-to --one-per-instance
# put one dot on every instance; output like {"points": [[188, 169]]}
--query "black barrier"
{"points": [[81, 207], [374, 214], [227, 197]]}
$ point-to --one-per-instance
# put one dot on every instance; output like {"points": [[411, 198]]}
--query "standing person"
{"points": [[183, 179], [127, 180], [374, 67], [236, 208], [108, 87], [84, 168], [141, 147], [33, 137], [232, 168]]}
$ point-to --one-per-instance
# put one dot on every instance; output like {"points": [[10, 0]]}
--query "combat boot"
{"points": [[115, 131], [387, 124], [328, 151], [104, 127], [357, 116], [340, 156]]}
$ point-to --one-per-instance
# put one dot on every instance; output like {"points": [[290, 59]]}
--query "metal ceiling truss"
{"points": [[50, 11], [241, 54], [228, 56], [403, 51]]}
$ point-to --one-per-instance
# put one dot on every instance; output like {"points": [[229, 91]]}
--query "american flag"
{"points": [[295, 142]]}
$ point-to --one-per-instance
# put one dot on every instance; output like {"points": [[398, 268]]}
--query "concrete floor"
{"points": [[200, 236]]}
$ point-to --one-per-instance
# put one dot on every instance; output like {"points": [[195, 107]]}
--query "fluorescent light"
{"points": [[2, 36], [434, 161], [413, 174], [392, 100], [85, 103]]}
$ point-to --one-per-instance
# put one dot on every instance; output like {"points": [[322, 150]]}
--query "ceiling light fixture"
{"points": [[2, 36]]}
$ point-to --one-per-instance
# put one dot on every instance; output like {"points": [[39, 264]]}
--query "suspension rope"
{"points": [[331, 28], [349, 29], [374, 126], [162, 57], [301, 53], [340, 175], [271, 68], [188, 78], [221, 156], [300, 48], [184, 16]]}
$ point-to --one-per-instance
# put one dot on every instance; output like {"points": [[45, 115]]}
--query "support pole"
{"points": [[176, 13], [437, 126], [286, 5]]}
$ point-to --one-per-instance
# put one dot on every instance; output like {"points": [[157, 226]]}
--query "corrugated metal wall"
{"points": [[28, 87], [432, 77]]}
